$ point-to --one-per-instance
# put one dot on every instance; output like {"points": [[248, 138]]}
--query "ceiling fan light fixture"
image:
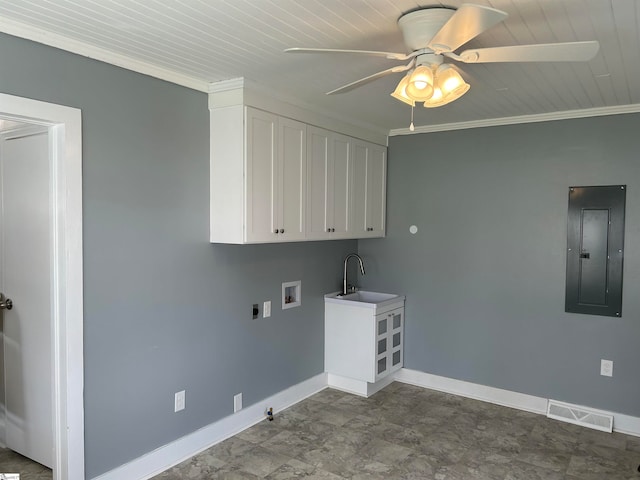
{"points": [[449, 80], [420, 84], [449, 86], [400, 93]]}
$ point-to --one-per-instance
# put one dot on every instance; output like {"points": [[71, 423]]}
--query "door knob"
{"points": [[5, 302]]}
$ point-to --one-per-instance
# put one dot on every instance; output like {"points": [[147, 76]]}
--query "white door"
{"points": [[26, 279]]}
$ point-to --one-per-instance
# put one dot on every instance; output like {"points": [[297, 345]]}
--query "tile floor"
{"points": [[402, 432], [11, 462], [407, 432]]}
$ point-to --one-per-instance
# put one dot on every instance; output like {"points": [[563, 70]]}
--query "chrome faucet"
{"points": [[344, 278]]}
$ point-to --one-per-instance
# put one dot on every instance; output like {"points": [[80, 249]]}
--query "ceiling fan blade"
{"points": [[546, 52], [468, 22], [371, 78], [390, 55]]}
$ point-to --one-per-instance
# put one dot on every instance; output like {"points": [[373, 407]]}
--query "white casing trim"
{"points": [[542, 117], [530, 403], [29, 32], [175, 452], [65, 149]]}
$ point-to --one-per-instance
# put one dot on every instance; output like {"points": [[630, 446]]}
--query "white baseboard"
{"points": [[357, 387], [498, 396], [175, 452], [530, 403], [626, 424]]}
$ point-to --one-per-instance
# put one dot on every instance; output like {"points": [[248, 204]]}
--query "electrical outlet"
{"points": [[266, 309], [237, 402], [606, 368], [179, 401]]}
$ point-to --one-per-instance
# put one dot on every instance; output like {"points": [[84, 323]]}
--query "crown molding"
{"points": [[283, 98], [542, 117], [28, 32], [226, 85], [244, 91]]}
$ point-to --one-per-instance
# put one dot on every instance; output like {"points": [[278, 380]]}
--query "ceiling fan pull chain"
{"points": [[411, 127]]}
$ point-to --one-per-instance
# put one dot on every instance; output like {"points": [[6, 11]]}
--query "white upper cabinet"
{"points": [[329, 174], [369, 190], [274, 179]]}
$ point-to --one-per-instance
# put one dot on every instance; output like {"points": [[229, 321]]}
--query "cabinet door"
{"points": [[389, 342], [319, 167], [376, 190], [340, 184], [382, 365], [396, 339], [329, 164], [369, 187], [261, 177], [291, 180]]}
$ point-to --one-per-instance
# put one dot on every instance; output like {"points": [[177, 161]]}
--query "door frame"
{"points": [[65, 160]]}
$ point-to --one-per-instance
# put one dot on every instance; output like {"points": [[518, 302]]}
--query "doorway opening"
{"points": [[65, 185]]}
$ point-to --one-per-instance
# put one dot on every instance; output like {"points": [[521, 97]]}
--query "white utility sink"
{"points": [[364, 298]]}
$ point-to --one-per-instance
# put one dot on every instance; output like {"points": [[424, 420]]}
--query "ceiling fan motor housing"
{"points": [[420, 26]]}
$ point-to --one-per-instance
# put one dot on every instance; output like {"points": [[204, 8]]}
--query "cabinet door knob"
{"points": [[282, 230], [328, 229], [275, 231]]}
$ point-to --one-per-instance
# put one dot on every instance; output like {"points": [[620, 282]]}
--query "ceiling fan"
{"points": [[431, 34]]}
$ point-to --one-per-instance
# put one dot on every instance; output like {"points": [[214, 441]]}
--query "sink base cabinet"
{"points": [[361, 343]]}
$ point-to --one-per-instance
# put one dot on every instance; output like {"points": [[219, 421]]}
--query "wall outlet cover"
{"points": [[266, 309], [606, 368], [179, 401], [237, 402]]}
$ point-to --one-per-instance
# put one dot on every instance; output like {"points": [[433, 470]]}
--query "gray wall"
{"points": [[484, 276], [164, 309]]}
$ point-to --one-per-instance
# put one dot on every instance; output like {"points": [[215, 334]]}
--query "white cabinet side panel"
{"points": [[227, 175], [350, 342]]}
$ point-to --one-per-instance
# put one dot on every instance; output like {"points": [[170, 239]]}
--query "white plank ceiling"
{"points": [[194, 42]]}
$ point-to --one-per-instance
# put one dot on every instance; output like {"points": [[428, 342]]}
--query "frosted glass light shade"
{"points": [[449, 86], [400, 93], [420, 85], [449, 79]]}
